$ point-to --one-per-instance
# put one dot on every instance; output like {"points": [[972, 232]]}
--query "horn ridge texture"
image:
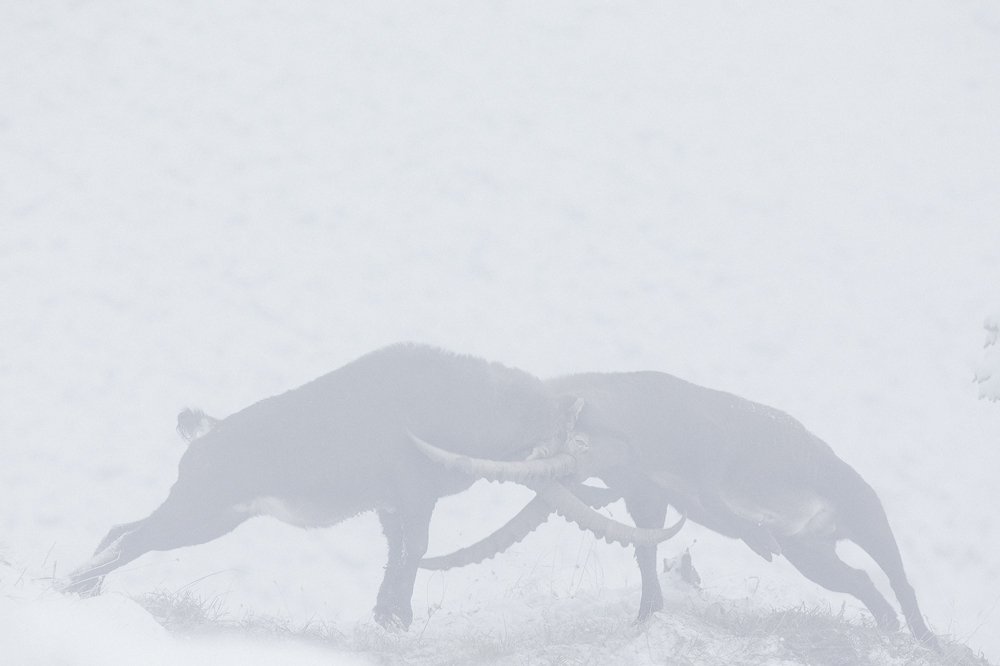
{"points": [[572, 508], [527, 520], [533, 514]]}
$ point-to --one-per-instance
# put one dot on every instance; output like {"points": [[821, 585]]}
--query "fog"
{"points": [[206, 204]]}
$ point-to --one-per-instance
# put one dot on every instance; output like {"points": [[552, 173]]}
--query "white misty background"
{"points": [[207, 203]]}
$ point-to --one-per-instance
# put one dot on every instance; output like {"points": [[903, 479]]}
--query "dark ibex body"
{"points": [[336, 447], [742, 469], [340, 446]]}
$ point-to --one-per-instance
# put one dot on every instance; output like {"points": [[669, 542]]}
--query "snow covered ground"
{"points": [[206, 203]]}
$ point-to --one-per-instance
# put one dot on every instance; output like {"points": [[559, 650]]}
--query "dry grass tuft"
{"points": [[698, 632], [183, 612], [818, 637], [189, 614]]}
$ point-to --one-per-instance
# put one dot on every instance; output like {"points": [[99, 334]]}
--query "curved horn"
{"points": [[526, 472], [569, 506], [534, 513]]}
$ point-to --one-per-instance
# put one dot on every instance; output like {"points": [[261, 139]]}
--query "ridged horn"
{"points": [[569, 506], [536, 512], [525, 472]]}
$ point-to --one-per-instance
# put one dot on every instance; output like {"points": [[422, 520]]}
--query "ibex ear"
{"points": [[574, 413]]}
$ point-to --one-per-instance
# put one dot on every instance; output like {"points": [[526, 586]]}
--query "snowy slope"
{"points": [[209, 203], [44, 627]]}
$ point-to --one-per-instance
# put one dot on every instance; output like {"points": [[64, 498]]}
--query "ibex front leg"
{"points": [[406, 531]]}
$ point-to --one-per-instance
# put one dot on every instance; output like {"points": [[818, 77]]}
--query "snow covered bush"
{"points": [[988, 374]]}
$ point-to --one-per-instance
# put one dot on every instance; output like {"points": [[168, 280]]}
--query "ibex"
{"points": [[739, 468], [339, 446]]}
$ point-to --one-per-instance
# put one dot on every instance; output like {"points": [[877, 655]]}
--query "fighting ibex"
{"points": [[742, 469], [339, 446]]}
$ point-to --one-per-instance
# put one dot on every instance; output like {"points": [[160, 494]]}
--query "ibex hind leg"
{"points": [[876, 538], [168, 527], [864, 522], [406, 531], [816, 558], [648, 514], [114, 533], [90, 584]]}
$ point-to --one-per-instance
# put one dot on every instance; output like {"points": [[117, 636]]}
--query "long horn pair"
{"points": [[539, 474]]}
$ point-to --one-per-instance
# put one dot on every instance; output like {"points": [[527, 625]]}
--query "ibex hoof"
{"points": [[646, 611], [88, 587], [391, 622], [930, 642]]}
